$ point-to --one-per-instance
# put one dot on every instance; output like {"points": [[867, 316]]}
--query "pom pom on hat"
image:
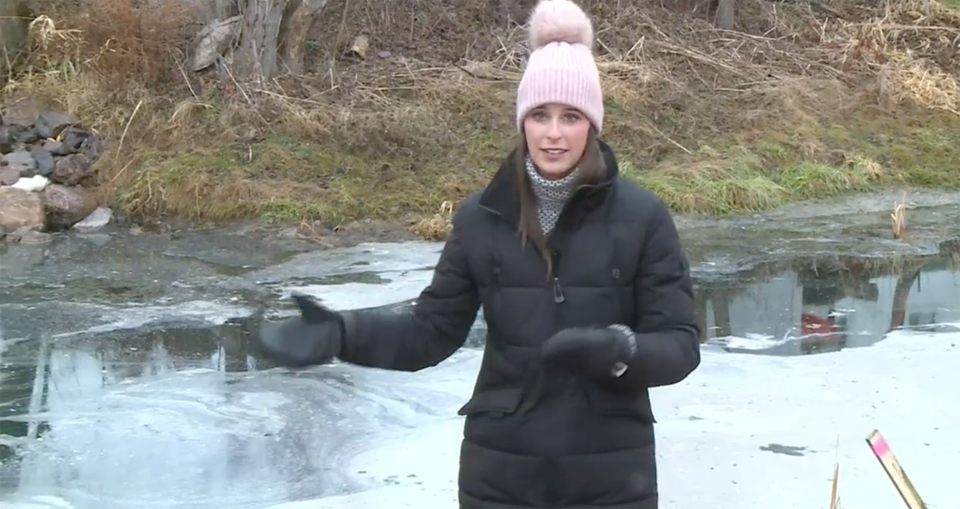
{"points": [[559, 21]]}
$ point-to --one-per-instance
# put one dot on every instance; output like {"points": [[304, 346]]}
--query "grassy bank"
{"points": [[798, 104]]}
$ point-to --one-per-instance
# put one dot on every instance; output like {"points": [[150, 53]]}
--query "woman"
{"points": [[587, 308]]}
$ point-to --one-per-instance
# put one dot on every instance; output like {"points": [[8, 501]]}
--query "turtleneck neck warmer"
{"points": [[552, 195]]}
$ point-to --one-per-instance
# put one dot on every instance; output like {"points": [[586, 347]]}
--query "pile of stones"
{"points": [[46, 160]]}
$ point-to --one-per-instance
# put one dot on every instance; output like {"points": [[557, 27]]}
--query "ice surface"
{"points": [[399, 286], [62, 321], [748, 432], [743, 432]]}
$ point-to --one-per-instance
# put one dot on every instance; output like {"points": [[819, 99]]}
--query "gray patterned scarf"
{"points": [[552, 195]]}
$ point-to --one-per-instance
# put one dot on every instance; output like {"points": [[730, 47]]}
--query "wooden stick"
{"points": [[894, 471], [834, 500]]}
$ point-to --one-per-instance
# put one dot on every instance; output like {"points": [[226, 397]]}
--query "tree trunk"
{"points": [[260, 32], [301, 17], [14, 18], [509, 12], [209, 10], [726, 14], [901, 294], [224, 9], [273, 37]]}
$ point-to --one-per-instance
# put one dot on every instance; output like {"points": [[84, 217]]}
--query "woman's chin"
{"points": [[553, 170]]}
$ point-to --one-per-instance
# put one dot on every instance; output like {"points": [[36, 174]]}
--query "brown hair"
{"points": [[591, 171]]}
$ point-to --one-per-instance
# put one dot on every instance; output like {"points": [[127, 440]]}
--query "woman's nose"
{"points": [[554, 131]]}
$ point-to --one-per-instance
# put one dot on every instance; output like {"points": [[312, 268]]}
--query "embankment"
{"points": [[800, 102]]}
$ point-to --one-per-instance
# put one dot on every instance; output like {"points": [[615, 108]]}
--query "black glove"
{"points": [[601, 352], [314, 337]]}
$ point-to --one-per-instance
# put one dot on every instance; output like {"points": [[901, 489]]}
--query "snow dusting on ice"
{"points": [[748, 431]]}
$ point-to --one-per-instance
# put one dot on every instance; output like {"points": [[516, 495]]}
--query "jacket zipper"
{"points": [[557, 288]]}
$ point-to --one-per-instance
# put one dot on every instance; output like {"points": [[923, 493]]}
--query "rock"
{"points": [[9, 176], [33, 184], [92, 147], [23, 113], [22, 161], [213, 41], [96, 220], [56, 148], [65, 206], [72, 138], [48, 145], [85, 142], [50, 124], [44, 159], [23, 134], [6, 140], [71, 169], [20, 209]]}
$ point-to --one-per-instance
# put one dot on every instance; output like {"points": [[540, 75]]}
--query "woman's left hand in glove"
{"points": [[599, 352]]}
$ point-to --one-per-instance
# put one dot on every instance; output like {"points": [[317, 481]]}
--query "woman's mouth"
{"points": [[553, 154]]}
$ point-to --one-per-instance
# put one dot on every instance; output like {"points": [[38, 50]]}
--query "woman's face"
{"points": [[556, 138]]}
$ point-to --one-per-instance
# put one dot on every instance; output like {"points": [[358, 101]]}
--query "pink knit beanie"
{"points": [[561, 68]]}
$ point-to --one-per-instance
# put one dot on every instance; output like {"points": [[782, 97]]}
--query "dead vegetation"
{"points": [[898, 218], [798, 103]]}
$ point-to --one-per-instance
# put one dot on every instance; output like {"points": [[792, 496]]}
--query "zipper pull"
{"points": [[557, 291]]}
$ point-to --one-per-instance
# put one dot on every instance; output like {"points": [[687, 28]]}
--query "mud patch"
{"points": [[786, 450]]}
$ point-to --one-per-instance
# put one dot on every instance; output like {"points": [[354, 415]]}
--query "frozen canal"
{"points": [[127, 377]]}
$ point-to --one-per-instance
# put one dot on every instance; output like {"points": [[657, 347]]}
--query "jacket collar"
{"points": [[501, 196]]}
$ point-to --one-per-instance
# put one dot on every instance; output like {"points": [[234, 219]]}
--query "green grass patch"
{"points": [[286, 178], [751, 174]]}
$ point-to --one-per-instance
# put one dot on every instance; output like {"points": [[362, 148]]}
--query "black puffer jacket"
{"points": [[534, 438]]}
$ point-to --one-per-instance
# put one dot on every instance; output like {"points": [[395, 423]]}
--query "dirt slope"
{"points": [[801, 101]]}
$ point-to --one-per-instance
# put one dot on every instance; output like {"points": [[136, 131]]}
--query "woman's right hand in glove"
{"points": [[314, 337]]}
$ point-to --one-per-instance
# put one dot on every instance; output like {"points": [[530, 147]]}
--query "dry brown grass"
{"points": [[798, 104], [436, 227], [898, 218]]}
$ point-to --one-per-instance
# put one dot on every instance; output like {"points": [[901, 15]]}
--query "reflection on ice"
{"points": [[141, 423], [126, 442], [810, 308]]}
